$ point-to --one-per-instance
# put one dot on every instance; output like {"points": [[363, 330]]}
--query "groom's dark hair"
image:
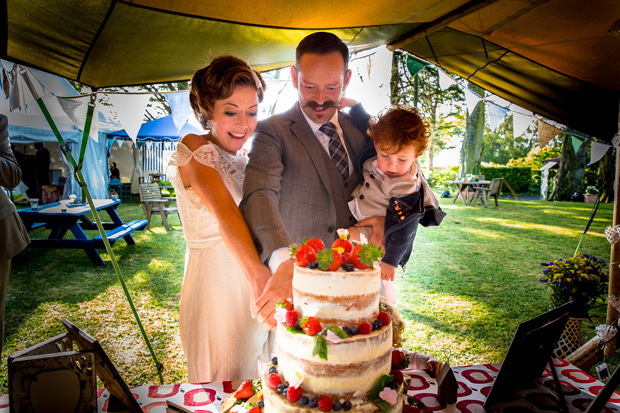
{"points": [[322, 43]]}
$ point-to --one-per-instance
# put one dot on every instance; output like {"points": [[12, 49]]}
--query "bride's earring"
{"points": [[209, 125]]}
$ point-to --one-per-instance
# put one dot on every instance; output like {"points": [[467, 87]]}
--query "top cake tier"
{"points": [[337, 298]]}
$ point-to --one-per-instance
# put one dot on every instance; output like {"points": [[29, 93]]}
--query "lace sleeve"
{"points": [[208, 155], [181, 156]]}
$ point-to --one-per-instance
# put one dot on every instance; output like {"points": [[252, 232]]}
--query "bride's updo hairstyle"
{"points": [[217, 81]]}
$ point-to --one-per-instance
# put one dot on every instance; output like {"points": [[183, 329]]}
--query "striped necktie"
{"points": [[336, 150]]}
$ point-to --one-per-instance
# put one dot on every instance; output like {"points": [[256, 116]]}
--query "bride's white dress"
{"points": [[220, 339]]}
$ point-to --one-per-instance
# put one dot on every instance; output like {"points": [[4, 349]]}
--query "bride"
{"points": [[223, 273]]}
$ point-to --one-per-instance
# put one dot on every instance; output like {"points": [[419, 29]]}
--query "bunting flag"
{"points": [[130, 110], [16, 98], [472, 100], [445, 81], [520, 123], [576, 143], [495, 115], [76, 110], [6, 85], [546, 132], [414, 65], [548, 165], [180, 108], [597, 151]]}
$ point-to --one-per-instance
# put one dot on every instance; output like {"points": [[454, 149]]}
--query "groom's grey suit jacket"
{"points": [[292, 190]]}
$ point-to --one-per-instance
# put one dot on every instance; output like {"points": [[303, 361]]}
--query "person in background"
{"points": [[115, 172], [223, 273], [13, 236], [42, 165], [300, 174]]}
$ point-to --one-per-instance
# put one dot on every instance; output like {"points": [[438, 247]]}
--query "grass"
{"points": [[468, 285]]}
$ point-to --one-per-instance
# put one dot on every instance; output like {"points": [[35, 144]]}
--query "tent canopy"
{"points": [[553, 57], [159, 129]]}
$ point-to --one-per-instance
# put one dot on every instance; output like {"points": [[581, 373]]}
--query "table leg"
{"points": [[92, 253], [113, 214], [463, 188], [458, 191]]}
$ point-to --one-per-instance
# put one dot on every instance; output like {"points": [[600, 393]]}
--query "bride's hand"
{"points": [[279, 287], [259, 278]]}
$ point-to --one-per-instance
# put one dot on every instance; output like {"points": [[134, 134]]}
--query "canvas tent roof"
{"points": [[553, 57]]}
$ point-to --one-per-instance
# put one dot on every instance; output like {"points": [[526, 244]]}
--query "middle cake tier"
{"points": [[352, 367]]}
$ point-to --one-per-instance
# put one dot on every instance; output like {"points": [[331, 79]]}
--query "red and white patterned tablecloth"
{"points": [[474, 382]]}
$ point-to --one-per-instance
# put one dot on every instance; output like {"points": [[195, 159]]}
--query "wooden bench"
{"points": [[124, 230], [153, 202]]}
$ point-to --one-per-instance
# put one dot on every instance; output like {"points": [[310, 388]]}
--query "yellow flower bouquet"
{"points": [[580, 278]]}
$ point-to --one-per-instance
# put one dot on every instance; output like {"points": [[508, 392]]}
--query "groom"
{"points": [[300, 173]]}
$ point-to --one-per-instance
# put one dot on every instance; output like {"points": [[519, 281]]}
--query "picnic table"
{"points": [[61, 217], [465, 186]]}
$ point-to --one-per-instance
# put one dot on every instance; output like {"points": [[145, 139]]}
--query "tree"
{"points": [[439, 107], [606, 173], [500, 146], [569, 178], [471, 151]]}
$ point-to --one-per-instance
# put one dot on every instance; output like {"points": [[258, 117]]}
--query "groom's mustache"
{"points": [[327, 104]]}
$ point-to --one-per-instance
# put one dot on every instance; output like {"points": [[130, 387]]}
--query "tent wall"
{"points": [[95, 168]]}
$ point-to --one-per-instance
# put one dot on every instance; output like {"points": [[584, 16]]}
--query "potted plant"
{"points": [[581, 278], [591, 194]]}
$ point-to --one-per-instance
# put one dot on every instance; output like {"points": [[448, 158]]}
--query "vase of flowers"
{"points": [[590, 194], [581, 279]]}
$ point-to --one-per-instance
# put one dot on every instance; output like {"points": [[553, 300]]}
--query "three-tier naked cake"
{"points": [[334, 345]]}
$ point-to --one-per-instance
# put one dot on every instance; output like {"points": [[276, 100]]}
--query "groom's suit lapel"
{"points": [[319, 157]]}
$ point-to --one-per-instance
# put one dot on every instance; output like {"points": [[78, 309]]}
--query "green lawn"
{"points": [[468, 284]]}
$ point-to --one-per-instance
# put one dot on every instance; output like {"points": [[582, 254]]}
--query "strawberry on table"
{"points": [[245, 390]]}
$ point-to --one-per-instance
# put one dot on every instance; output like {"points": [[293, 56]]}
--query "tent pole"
{"points": [[614, 268], [82, 182]]}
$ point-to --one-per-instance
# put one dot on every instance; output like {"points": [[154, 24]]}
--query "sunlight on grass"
{"points": [[526, 225], [482, 232]]}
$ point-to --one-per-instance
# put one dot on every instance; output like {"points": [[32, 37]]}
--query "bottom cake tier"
{"points": [[276, 398]]}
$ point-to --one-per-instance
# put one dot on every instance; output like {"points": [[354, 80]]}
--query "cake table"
{"points": [[474, 382]]}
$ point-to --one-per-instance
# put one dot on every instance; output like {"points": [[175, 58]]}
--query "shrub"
{"points": [[519, 177]]}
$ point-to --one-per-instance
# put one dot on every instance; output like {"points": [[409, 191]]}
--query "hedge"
{"points": [[519, 177]]}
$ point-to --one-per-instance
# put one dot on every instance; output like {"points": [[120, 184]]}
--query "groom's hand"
{"points": [[279, 287]]}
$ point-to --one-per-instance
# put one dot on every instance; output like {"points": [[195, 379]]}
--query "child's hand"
{"points": [[347, 102], [387, 271], [433, 368]]}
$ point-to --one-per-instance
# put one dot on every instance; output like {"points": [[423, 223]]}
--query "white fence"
{"points": [[155, 156]]}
